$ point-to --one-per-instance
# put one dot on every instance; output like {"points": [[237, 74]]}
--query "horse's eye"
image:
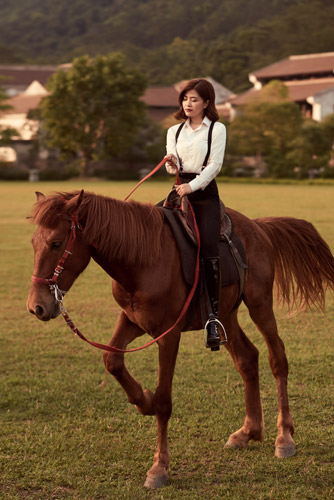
{"points": [[55, 245]]}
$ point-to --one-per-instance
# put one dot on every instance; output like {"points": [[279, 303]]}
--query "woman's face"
{"points": [[194, 106]]}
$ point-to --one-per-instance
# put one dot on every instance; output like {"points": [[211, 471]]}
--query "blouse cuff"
{"points": [[196, 184]]}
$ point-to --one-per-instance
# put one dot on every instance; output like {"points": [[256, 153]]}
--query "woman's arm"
{"points": [[216, 159], [172, 164]]}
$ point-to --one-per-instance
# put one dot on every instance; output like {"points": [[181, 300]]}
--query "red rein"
{"points": [[59, 295]]}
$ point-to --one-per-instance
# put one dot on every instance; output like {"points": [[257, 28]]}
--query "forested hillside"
{"points": [[167, 39]]}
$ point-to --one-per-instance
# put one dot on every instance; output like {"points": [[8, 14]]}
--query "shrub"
{"points": [[10, 172]]}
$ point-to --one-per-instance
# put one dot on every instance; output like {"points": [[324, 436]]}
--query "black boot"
{"points": [[212, 273]]}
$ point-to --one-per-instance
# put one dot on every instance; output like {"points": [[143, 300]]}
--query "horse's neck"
{"points": [[126, 238], [115, 269]]}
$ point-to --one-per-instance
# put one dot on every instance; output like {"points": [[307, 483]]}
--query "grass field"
{"points": [[62, 437]]}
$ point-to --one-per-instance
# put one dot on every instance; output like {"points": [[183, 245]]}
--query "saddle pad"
{"points": [[188, 251]]}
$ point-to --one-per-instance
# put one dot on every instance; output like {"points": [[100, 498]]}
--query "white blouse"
{"points": [[191, 150]]}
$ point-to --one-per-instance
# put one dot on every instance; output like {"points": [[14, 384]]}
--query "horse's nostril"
{"points": [[39, 311]]}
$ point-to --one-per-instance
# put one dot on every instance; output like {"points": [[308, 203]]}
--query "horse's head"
{"points": [[55, 217]]}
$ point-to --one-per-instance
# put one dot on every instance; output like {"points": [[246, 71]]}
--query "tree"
{"points": [[6, 133], [310, 149], [94, 109], [265, 128], [313, 148], [327, 126]]}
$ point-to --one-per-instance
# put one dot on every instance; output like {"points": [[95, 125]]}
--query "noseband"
{"points": [[52, 282]]}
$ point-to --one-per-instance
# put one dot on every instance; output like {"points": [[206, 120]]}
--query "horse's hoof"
{"points": [[232, 444], [285, 451], [155, 482]]}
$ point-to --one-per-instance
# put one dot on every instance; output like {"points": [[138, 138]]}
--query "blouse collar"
{"points": [[205, 121]]}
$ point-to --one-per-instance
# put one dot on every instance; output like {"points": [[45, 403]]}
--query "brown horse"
{"points": [[131, 242]]}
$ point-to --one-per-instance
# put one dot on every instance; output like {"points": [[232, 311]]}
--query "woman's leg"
{"points": [[207, 212]]}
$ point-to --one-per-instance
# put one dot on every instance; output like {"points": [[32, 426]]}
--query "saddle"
{"points": [[231, 250]]}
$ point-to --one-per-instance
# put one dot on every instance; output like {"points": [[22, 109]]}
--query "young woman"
{"points": [[187, 151]]}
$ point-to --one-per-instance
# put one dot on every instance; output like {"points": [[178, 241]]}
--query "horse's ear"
{"points": [[39, 195], [80, 198], [74, 204]]}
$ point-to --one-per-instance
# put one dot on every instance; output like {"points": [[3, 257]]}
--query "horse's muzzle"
{"points": [[44, 313]]}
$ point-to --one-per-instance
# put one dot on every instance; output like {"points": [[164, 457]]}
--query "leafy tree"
{"points": [[6, 133], [313, 148], [327, 126], [147, 150], [94, 109], [265, 128], [230, 37], [9, 56], [310, 149], [4, 106]]}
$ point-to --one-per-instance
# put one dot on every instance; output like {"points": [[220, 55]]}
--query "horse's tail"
{"points": [[304, 264]]}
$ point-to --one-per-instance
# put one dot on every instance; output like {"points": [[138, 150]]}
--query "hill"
{"points": [[169, 40]]}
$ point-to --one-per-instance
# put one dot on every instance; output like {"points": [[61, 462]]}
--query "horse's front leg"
{"points": [[126, 332], [168, 348]]}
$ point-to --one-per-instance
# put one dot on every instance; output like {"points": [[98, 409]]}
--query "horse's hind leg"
{"points": [[245, 357], [263, 317]]}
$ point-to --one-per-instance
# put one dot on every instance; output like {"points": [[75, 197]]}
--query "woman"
{"points": [[199, 160]]}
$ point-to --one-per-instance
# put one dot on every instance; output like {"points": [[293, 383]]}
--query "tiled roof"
{"points": [[24, 75], [299, 90], [244, 97], [30, 99], [21, 103], [221, 92], [161, 97], [311, 64]]}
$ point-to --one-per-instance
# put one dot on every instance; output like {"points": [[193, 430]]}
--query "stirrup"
{"points": [[205, 332]]}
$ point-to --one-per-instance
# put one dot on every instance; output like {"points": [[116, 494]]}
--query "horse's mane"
{"points": [[122, 231]]}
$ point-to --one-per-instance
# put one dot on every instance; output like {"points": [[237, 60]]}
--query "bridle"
{"points": [[52, 282], [59, 294]]}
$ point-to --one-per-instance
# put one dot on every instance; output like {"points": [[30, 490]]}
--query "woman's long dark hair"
{"points": [[206, 91]]}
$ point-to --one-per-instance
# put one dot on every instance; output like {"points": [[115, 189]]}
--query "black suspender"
{"points": [[209, 144], [178, 132], [209, 141]]}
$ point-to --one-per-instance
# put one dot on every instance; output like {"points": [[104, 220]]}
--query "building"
{"points": [[26, 85], [309, 79], [21, 104], [16, 118], [163, 102], [15, 79]]}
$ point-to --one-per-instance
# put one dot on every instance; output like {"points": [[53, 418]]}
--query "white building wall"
{"points": [[322, 104], [26, 129]]}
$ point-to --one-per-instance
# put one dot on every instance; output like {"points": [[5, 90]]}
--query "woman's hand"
{"points": [[171, 161], [183, 189]]}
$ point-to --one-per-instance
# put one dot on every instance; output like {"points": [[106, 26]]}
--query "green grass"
{"points": [[62, 437]]}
